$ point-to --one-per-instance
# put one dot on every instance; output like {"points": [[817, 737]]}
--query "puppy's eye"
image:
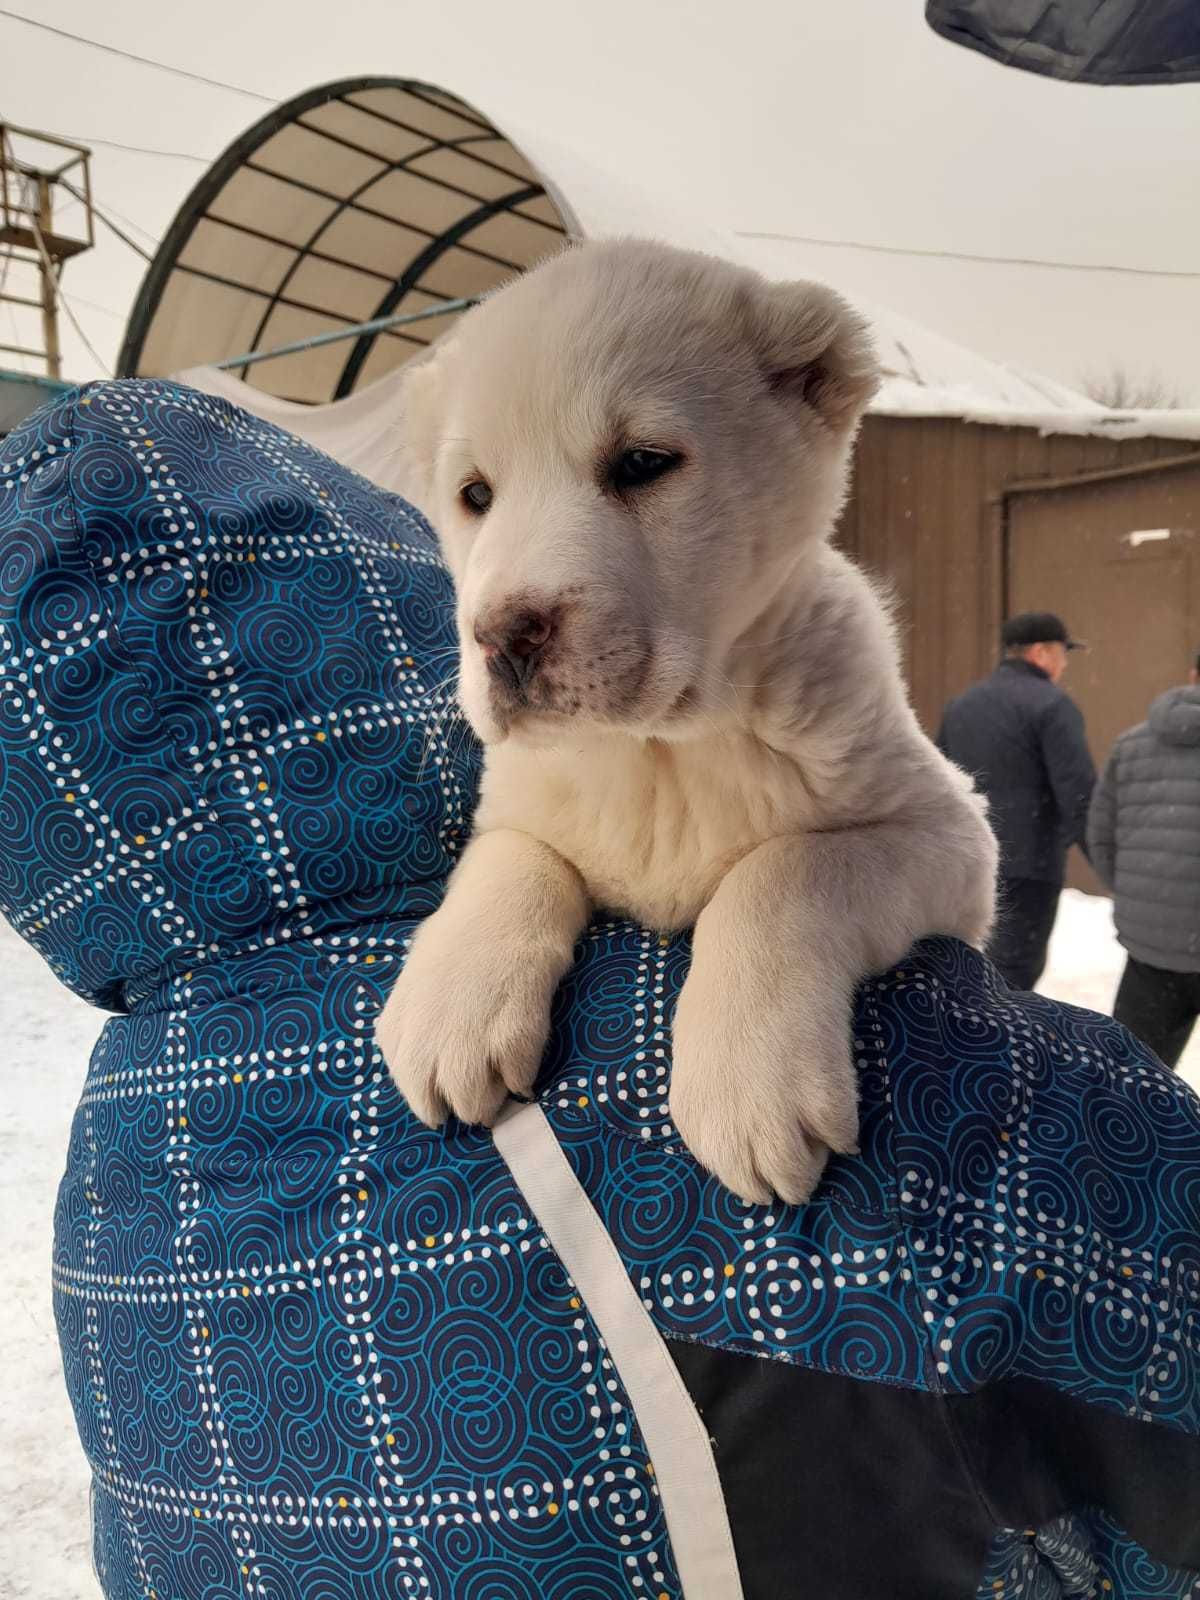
{"points": [[476, 496], [634, 468]]}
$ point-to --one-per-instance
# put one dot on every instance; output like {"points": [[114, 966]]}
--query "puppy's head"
{"points": [[628, 453]]}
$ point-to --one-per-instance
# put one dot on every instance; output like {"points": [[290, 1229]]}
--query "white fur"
{"points": [[718, 733]]}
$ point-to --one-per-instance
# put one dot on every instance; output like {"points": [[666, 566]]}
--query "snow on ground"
{"points": [[46, 1036], [1086, 963]]}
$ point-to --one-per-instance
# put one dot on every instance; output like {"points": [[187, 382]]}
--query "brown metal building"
{"points": [[970, 522]]}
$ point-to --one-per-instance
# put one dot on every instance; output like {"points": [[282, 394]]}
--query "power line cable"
{"points": [[965, 255], [94, 305], [138, 149], [109, 223], [129, 55], [111, 210], [131, 223]]}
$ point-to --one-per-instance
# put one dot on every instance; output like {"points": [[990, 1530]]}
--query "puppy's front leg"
{"points": [[468, 1018], [763, 1084]]}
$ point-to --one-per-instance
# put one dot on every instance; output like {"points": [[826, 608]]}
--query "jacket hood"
{"points": [[224, 671], [1175, 716]]}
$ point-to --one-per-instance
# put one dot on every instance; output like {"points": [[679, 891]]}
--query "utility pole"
{"points": [[33, 166]]}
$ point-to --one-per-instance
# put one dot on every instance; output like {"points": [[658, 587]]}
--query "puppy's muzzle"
{"points": [[514, 645]]}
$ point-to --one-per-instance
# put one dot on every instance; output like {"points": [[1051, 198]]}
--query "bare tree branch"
{"points": [[1124, 390]]}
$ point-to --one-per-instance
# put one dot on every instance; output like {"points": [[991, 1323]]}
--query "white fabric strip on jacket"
{"points": [[676, 1439]]}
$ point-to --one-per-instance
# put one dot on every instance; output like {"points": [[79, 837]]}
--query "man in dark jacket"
{"points": [[1023, 740], [1144, 832]]}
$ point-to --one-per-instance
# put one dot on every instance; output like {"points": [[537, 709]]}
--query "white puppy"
{"points": [[692, 704]]}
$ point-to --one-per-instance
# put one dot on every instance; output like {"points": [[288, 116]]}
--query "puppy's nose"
{"points": [[513, 643]]}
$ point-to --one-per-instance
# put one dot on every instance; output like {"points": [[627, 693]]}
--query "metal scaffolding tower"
{"points": [[35, 169]]}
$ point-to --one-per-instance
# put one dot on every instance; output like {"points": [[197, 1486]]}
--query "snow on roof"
{"points": [[902, 399]]}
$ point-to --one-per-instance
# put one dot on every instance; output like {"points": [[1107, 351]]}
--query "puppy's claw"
{"points": [[429, 1108]]}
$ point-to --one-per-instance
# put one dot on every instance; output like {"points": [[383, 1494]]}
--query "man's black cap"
{"points": [[1037, 627]]}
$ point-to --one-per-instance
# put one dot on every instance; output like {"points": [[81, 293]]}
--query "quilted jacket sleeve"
{"points": [[1102, 820]]}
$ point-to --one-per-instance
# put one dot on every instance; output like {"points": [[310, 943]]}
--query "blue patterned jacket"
{"points": [[317, 1352]]}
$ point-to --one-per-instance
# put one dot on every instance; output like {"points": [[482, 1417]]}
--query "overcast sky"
{"points": [[845, 121]]}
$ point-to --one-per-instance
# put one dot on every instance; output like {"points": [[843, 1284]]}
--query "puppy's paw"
{"points": [[764, 1087], [467, 1021]]}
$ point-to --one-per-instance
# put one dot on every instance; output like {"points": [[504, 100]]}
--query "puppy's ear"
{"points": [[419, 408], [816, 350]]}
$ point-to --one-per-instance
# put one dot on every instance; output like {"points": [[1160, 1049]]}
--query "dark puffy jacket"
{"points": [[1023, 741], [1144, 832]]}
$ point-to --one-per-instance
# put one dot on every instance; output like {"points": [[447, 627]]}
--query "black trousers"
{"points": [[1160, 1007], [1025, 912]]}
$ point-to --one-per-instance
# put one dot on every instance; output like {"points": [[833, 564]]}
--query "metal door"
{"points": [[1119, 559]]}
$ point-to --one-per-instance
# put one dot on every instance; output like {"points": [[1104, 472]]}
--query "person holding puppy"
{"points": [[317, 1349]]}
